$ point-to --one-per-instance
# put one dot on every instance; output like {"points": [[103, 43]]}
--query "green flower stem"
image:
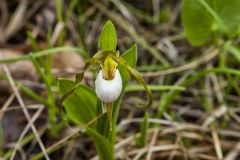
{"points": [[109, 109], [115, 118]]}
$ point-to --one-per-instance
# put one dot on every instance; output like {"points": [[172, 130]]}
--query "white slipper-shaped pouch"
{"points": [[108, 90]]}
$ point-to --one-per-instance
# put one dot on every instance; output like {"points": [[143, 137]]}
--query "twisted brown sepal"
{"points": [[137, 76]]}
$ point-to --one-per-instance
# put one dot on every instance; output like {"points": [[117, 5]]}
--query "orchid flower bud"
{"points": [[108, 84]]}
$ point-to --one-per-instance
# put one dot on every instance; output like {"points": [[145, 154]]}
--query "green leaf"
{"points": [[130, 57], [204, 19], [108, 37], [103, 146], [81, 105], [196, 22]]}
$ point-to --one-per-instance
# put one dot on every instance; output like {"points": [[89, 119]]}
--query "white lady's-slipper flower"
{"points": [[108, 84]]}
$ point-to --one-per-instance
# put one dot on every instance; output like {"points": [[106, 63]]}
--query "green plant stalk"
{"points": [[33, 41], [50, 100], [134, 88], [50, 80], [82, 32], [43, 53], [51, 104], [52, 113], [70, 9], [141, 139], [59, 6], [222, 59], [150, 67], [47, 78], [32, 94], [172, 94], [38, 69], [82, 17], [49, 57], [207, 100]]}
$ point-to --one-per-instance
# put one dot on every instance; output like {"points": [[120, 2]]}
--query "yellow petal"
{"points": [[109, 68]]}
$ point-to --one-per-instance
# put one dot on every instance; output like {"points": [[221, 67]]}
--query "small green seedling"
{"points": [[83, 105]]}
